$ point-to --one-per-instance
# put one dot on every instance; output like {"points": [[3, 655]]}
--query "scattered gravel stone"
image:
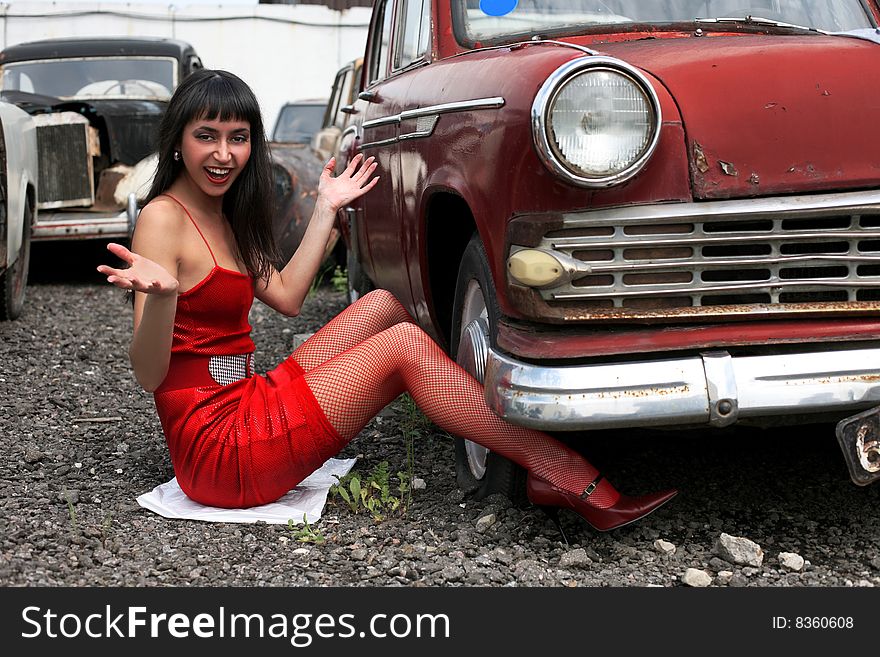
{"points": [[723, 577], [696, 578], [665, 547], [32, 454], [577, 558], [418, 483], [70, 496], [485, 522], [738, 550], [791, 561]]}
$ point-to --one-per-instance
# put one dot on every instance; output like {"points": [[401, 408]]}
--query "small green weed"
{"points": [[372, 495], [106, 524], [339, 279], [71, 511], [306, 533]]}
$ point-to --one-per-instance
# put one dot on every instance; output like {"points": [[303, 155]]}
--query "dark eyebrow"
{"points": [[207, 128]]}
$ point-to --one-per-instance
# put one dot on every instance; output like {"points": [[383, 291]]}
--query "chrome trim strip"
{"points": [[676, 392], [595, 268], [381, 142], [775, 207], [686, 239], [687, 289], [493, 102]]}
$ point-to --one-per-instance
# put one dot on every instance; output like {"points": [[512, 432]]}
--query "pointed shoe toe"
{"points": [[623, 512]]}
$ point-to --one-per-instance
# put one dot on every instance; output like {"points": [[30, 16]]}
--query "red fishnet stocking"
{"points": [[371, 353], [369, 315]]}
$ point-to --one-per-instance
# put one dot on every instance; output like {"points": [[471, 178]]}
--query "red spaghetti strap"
{"points": [[194, 224]]}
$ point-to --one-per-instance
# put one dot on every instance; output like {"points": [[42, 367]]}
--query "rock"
{"points": [[486, 521], [791, 561], [32, 454], [876, 562], [696, 578], [575, 559], [418, 483], [69, 496], [664, 547], [723, 577], [738, 550], [299, 338], [529, 572]]}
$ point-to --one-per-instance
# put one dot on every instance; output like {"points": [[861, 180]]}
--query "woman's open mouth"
{"points": [[218, 175]]}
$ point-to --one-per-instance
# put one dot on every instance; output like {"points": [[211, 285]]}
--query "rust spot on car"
{"points": [[700, 158], [727, 168], [649, 391]]}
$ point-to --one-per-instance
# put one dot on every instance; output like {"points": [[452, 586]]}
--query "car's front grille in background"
{"points": [[65, 161], [780, 252]]}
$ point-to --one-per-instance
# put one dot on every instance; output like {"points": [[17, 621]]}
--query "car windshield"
{"points": [[94, 78], [297, 123], [525, 18]]}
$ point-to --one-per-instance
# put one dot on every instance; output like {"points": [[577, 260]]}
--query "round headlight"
{"points": [[596, 121]]}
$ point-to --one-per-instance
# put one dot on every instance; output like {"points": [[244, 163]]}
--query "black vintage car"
{"points": [[97, 103]]}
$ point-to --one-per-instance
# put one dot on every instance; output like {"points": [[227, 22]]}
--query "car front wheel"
{"points": [[14, 280], [475, 312]]}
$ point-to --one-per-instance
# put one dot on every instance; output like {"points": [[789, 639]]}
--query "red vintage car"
{"points": [[623, 213]]}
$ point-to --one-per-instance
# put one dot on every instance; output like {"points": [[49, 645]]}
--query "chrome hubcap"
{"points": [[472, 351]]}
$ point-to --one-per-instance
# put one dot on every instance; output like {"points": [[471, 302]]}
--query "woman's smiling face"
{"points": [[215, 152]]}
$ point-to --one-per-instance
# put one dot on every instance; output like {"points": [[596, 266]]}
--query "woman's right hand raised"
{"points": [[141, 275]]}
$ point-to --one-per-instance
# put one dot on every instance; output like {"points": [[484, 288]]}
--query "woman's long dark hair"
{"points": [[248, 205]]}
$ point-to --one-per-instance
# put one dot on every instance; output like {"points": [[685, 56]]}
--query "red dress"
{"points": [[236, 439]]}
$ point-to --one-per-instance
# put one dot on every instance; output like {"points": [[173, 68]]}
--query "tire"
{"points": [[480, 471], [358, 282], [13, 281]]}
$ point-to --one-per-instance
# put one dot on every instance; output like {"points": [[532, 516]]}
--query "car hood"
{"points": [[132, 126], [770, 114]]}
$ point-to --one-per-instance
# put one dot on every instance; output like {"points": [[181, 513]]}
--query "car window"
{"points": [[538, 17], [90, 78], [413, 21], [335, 102], [297, 123], [379, 59]]}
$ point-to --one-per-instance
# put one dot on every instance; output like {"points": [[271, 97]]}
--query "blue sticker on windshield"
{"points": [[497, 7]]}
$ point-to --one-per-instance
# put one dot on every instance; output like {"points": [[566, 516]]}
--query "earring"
{"points": [[177, 156]]}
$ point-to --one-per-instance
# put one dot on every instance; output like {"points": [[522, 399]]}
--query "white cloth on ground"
{"points": [[307, 499]]}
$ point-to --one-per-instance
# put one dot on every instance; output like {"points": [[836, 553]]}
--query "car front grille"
{"points": [[783, 253], [65, 161]]}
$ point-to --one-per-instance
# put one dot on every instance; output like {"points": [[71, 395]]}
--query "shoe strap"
{"points": [[592, 486]]}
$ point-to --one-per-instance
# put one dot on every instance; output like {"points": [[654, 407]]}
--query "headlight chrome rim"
{"points": [[548, 92]]}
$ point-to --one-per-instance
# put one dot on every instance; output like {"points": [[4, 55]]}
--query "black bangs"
{"points": [[222, 96]]}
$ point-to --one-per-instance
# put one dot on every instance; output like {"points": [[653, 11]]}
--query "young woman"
{"points": [[202, 251]]}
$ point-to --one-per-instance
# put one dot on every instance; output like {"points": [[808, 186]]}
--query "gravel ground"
{"points": [[81, 442]]}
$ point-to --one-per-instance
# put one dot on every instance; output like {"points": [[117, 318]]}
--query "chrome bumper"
{"points": [[85, 224], [714, 389]]}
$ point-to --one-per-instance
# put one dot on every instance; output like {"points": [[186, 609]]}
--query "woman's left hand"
{"points": [[352, 183]]}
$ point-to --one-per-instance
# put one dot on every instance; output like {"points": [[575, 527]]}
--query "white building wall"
{"points": [[285, 52]]}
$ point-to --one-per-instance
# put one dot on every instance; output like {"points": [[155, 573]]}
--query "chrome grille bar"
{"points": [[754, 252]]}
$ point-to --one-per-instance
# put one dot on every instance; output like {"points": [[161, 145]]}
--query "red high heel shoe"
{"points": [[626, 510]]}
